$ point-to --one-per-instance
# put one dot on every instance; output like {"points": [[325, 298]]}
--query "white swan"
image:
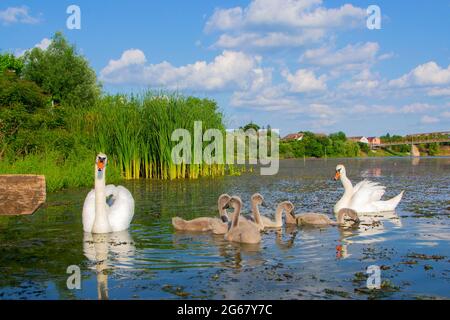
{"points": [[364, 197], [107, 209]]}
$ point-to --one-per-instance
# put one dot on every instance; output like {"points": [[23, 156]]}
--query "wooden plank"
{"points": [[21, 194]]}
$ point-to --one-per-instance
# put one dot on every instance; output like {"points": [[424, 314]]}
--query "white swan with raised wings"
{"points": [[364, 197], [107, 208]]}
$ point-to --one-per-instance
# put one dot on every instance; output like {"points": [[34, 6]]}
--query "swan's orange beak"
{"points": [[101, 165], [337, 175]]}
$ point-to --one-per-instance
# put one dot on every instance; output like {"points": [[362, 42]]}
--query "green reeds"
{"points": [[135, 132]]}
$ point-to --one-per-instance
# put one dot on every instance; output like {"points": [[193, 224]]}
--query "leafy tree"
{"points": [[8, 62], [62, 73], [14, 90], [364, 147], [351, 149], [433, 149], [338, 136], [251, 125], [286, 150]]}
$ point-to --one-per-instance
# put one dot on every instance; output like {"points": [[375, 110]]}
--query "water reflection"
{"points": [[108, 251], [370, 230], [231, 252], [291, 231], [372, 172]]}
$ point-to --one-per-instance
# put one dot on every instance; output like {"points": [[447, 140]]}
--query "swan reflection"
{"points": [[230, 251], [108, 251], [370, 230]]}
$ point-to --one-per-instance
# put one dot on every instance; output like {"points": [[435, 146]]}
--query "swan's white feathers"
{"points": [[366, 197], [365, 192], [89, 211], [120, 213]]}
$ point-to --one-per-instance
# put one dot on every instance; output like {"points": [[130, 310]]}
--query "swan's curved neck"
{"points": [[101, 222], [278, 214], [256, 213], [236, 213], [348, 187], [290, 218], [222, 211], [340, 217]]}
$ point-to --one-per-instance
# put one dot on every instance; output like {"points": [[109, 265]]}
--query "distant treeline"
{"points": [[337, 145], [318, 146], [414, 138]]}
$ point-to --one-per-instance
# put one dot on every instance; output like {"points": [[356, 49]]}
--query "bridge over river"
{"points": [[413, 142]]}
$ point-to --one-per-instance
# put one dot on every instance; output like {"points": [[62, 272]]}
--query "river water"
{"points": [[152, 261]]}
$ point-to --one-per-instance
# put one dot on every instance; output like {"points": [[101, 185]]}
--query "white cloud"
{"points": [[268, 98], [280, 23], [274, 99], [129, 57], [386, 56], [437, 92], [224, 19], [277, 99], [43, 44], [13, 15], [426, 74], [285, 13], [351, 54], [229, 70], [429, 120], [269, 39], [358, 87], [350, 66], [413, 108], [362, 83], [305, 81], [416, 108], [321, 110]]}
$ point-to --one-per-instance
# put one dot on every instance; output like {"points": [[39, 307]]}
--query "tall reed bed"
{"points": [[135, 132]]}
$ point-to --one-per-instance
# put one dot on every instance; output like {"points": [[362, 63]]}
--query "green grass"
{"points": [[75, 171]]}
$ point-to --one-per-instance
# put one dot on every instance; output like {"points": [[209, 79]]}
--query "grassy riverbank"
{"points": [[135, 133], [55, 126]]}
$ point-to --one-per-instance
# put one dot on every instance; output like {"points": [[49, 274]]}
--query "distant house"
{"points": [[374, 141], [293, 136], [359, 139]]}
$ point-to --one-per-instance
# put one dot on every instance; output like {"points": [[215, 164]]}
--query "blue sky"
{"points": [[293, 64]]}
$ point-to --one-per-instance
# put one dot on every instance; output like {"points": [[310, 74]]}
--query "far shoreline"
{"points": [[362, 158]]}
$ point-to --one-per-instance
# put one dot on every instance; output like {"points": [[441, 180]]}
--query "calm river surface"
{"points": [[153, 261]]}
